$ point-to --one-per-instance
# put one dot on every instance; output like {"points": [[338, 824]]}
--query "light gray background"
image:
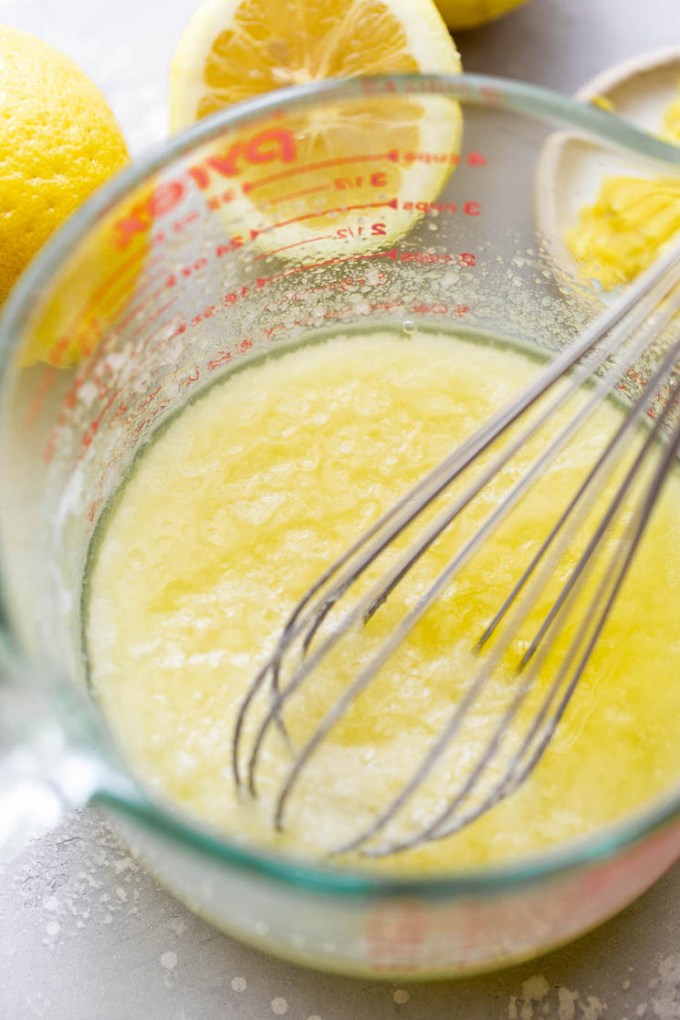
{"points": [[84, 933]]}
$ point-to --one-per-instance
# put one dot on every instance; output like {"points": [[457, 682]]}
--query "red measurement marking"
{"points": [[440, 309], [192, 217], [463, 258], [140, 426], [386, 306], [141, 217], [234, 244], [381, 306], [262, 281], [161, 237], [186, 271], [392, 204], [297, 244], [471, 159], [437, 158], [295, 194], [70, 398], [265, 147], [475, 158], [110, 397], [224, 357], [372, 230], [218, 200], [93, 427], [92, 510], [343, 284], [393, 156], [228, 300], [469, 208], [392, 254], [378, 179]]}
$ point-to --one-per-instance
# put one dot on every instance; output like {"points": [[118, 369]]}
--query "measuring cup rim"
{"points": [[482, 90], [122, 795]]}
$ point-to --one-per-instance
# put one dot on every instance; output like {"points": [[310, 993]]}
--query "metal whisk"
{"points": [[594, 367]]}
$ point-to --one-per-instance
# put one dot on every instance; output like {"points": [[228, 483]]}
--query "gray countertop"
{"points": [[85, 934]]}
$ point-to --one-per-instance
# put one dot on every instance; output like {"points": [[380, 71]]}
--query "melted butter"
{"points": [[619, 235], [247, 496]]}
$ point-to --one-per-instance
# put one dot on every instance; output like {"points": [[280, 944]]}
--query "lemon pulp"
{"points": [[246, 497]]}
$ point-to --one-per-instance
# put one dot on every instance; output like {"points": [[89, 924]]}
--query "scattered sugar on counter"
{"points": [[539, 999]]}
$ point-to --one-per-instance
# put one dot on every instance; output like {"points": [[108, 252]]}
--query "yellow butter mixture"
{"points": [[243, 500], [620, 234]]}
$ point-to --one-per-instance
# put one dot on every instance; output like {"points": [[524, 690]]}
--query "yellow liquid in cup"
{"points": [[244, 499]]}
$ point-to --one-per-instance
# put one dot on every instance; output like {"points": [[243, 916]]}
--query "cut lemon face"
{"points": [[342, 173], [236, 49]]}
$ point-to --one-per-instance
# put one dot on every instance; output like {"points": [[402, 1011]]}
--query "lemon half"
{"points": [[351, 172], [236, 49]]}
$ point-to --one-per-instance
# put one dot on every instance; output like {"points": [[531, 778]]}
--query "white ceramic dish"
{"points": [[640, 90]]}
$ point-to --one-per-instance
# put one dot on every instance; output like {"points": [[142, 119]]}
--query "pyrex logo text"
{"points": [[263, 147]]}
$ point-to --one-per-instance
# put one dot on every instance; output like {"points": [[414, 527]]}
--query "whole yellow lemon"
{"points": [[59, 141], [470, 13]]}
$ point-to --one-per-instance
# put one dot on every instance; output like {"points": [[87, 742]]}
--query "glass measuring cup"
{"points": [[436, 205]]}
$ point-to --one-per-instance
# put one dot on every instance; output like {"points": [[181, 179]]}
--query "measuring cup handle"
{"points": [[41, 775]]}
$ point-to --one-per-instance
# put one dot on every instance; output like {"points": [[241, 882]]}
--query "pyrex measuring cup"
{"points": [[417, 201]]}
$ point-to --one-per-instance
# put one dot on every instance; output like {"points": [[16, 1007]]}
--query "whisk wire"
{"points": [[639, 300], [365, 608], [512, 778], [612, 579], [610, 347], [399, 634]]}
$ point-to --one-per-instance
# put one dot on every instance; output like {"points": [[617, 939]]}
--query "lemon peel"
{"points": [[59, 142], [471, 13]]}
